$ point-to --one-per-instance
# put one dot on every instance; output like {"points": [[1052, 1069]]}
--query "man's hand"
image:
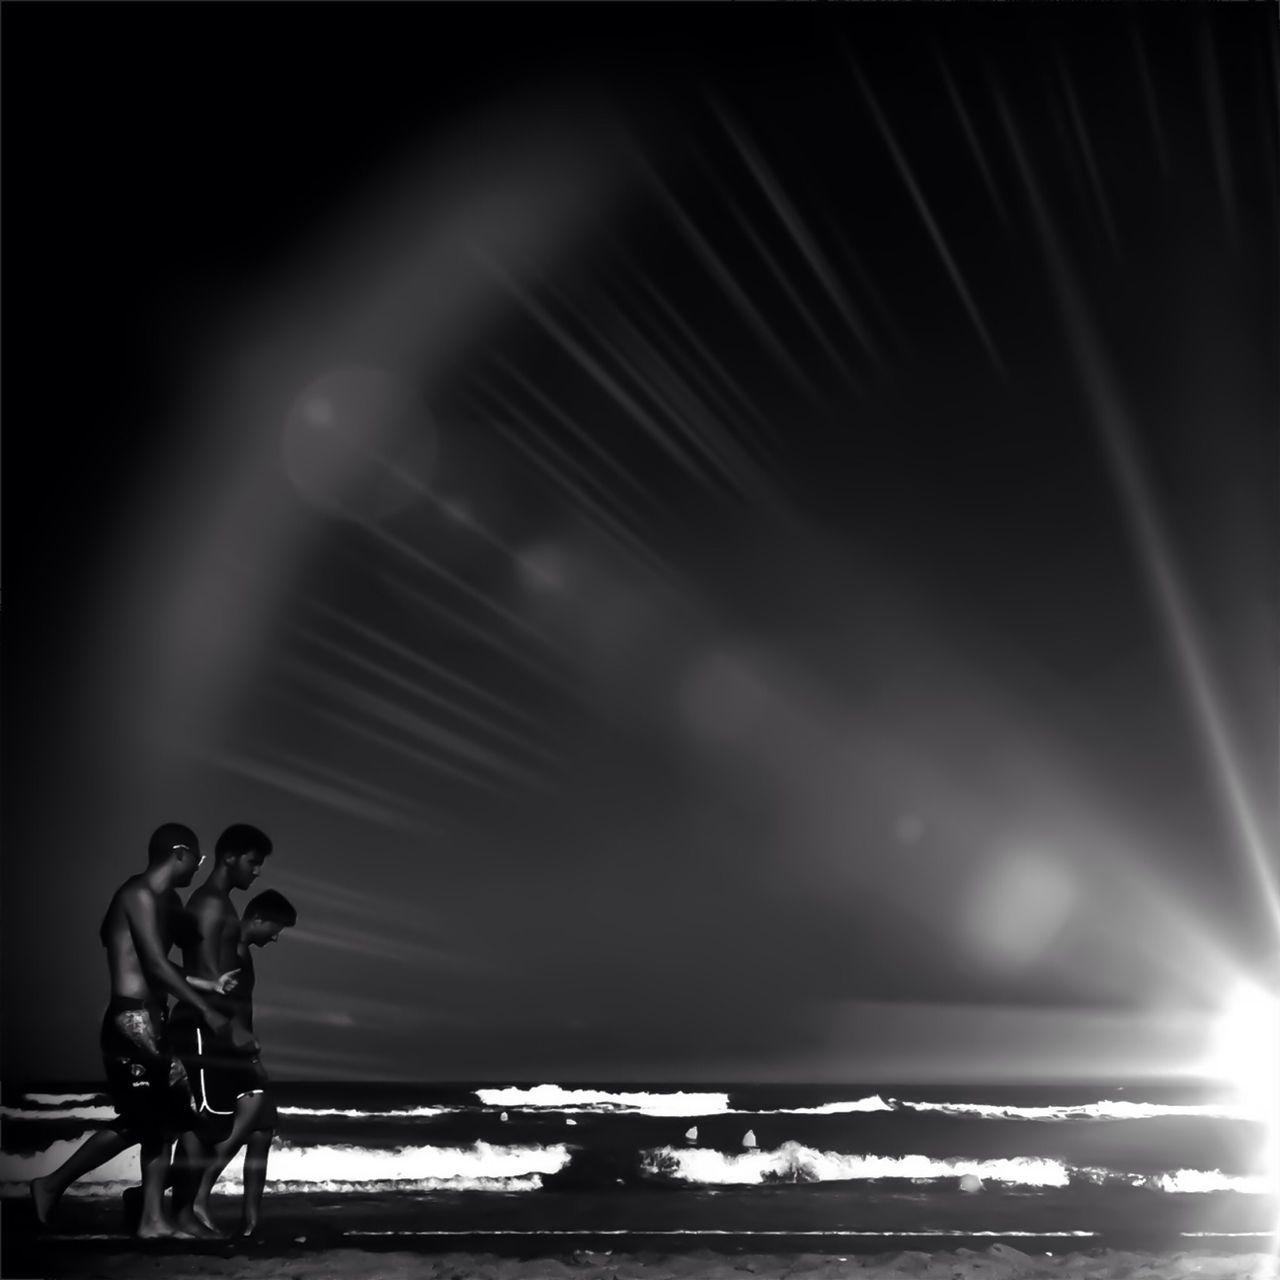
{"points": [[178, 1075], [227, 982]]}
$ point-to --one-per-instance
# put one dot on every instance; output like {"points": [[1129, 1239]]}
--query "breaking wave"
{"points": [[552, 1096], [59, 1113], [794, 1162], [486, 1166], [480, 1166], [1103, 1110], [56, 1099], [405, 1113]]}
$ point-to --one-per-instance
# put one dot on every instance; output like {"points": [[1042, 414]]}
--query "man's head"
{"points": [[174, 845], [242, 849], [265, 917]]}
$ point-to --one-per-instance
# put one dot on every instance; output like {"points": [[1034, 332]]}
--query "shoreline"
{"points": [[66, 1260]]}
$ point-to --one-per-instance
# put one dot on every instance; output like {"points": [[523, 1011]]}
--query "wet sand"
{"points": [[998, 1262]]}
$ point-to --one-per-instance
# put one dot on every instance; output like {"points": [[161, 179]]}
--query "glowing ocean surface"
{"points": [[1100, 1162]]}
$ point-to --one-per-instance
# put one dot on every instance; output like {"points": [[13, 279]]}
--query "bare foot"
{"points": [[44, 1199], [196, 1220], [162, 1229], [248, 1228]]}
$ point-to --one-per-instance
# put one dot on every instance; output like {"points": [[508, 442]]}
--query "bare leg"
{"points": [[94, 1151], [154, 1223], [251, 1114], [189, 1165], [256, 1151]]}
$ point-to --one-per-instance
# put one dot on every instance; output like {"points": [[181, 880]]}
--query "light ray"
{"points": [[1086, 149], [926, 216], [1149, 97], [393, 715], [603, 520], [801, 234], [694, 464], [761, 439], [318, 793], [1219, 143], [784, 282], [1111, 420], [869, 286], [372, 790], [711, 260], [376, 944], [426, 664], [393, 745], [693, 418], [416, 690], [971, 136], [579, 433], [423, 561], [487, 638], [590, 365]]}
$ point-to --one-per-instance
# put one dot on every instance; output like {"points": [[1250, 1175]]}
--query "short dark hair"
{"points": [[170, 838], [240, 838], [271, 906]]}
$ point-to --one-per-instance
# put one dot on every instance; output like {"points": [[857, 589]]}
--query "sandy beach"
{"points": [[998, 1262]]}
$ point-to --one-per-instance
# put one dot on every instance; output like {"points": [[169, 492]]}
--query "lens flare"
{"points": [[1246, 1053]]}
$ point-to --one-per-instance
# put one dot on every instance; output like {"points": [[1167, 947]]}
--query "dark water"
{"points": [[842, 1163]]}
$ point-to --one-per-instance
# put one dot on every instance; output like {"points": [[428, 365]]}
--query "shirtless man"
{"points": [[215, 947], [231, 1099], [148, 1086]]}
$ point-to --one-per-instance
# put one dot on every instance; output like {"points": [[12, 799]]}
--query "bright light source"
{"points": [[1246, 1052]]}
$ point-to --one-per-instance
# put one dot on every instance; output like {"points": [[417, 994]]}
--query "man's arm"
{"points": [[209, 929], [144, 926]]}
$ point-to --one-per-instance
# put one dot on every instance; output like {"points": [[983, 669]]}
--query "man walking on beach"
{"points": [[214, 947], [147, 1085], [231, 1099]]}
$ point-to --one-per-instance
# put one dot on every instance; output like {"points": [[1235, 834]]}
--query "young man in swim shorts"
{"points": [[214, 947], [232, 1103], [147, 1084]]}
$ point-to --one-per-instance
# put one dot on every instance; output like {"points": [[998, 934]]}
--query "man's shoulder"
{"points": [[134, 889], [206, 898]]}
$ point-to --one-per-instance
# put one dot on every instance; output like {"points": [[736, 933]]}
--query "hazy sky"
{"points": [[728, 541]]}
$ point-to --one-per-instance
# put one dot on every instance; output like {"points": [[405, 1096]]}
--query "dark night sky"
{"points": [[721, 541]]}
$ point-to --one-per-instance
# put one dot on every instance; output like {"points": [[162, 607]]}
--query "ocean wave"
{"points": [[486, 1166], [56, 1099], [404, 1113], [314, 1166], [872, 1103], [59, 1113], [553, 1097], [230, 1184], [1199, 1181], [1106, 1109], [794, 1162]]}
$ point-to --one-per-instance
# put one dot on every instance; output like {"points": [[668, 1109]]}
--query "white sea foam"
{"points": [[872, 1103], [315, 1166], [1200, 1180], [794, 1160], [54, 1099], [552, 1096], [485, 1166], [59, 1113], [1106, 1109], [406, 1113]]}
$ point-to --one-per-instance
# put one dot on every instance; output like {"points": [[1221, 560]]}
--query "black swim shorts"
{"points": [[220, 1075], [146, 1083]]}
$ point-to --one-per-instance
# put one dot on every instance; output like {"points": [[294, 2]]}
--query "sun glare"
{"points": [[1246, 1053]]}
